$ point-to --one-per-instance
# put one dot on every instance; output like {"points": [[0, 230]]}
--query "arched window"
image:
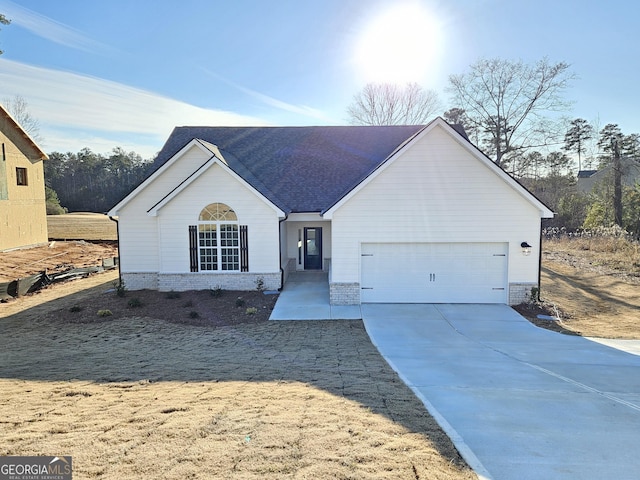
{"points": [[218, 212], [218, 238]]}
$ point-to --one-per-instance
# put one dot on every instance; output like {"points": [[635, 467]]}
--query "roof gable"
{"points": [[158, 172], [216, 159], [14, 131], [214, 156], [462, 140]]}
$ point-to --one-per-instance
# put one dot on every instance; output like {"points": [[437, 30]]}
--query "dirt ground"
{"points": [[132, 396], [594, 294], [54, 257], [592, 304]]}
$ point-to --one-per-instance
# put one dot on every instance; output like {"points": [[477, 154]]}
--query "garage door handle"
{"points": [[367, 254], [502, 288], [432, 277], [366, 288]]}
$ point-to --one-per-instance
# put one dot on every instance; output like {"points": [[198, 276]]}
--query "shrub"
{"points": [[75, 308], [172, 295], [535, 295], [251, 311], [120, 288], [104, 313], [134, 303], [193, 314], [240, 302], [216, 291], [260, 284], [188, 303]]}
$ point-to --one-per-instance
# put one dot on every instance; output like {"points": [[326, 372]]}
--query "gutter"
{"points": [[119, 257]]}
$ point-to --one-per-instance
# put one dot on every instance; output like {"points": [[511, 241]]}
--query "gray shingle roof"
{"points": [[586, 173], [299, 169]]}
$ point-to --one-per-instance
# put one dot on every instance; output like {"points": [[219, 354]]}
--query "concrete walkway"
{"points": [[520, 402], [305, 296]]}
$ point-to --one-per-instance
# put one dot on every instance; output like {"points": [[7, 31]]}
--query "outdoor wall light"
{"points": [[526, 248]]}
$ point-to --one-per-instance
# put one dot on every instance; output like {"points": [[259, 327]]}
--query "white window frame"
{"points": [[219, 251]]}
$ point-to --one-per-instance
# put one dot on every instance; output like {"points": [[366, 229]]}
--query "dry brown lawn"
{"points": [[81, 226], [138, 397], [145, 393], [595, 285]]}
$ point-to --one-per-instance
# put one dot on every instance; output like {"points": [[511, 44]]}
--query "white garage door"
{"points": [[434, 273]]}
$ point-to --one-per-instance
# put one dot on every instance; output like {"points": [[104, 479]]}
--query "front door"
{"points": [[313, 248]]}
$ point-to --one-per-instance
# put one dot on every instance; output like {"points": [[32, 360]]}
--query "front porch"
{"points": [[305, 296]]}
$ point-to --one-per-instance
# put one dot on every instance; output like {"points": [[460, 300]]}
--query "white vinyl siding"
{"points": [[435, 192], [217, 186], [139, 235], [161, 243]]}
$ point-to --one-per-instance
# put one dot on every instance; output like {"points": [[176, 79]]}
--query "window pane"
{"points": [[207, 235], [208, 251], [230, 259], [229, 236], [21, 176], [217, 212], [208, 259]]}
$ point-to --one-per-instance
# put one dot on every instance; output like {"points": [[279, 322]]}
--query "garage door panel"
{"points": [[434, 273]]}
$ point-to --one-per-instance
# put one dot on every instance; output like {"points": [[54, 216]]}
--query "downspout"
{"points": [[540, 264], [119, 257], [286, 215]]}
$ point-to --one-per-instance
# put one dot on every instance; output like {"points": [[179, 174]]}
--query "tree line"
{"points": [[92, 182]]}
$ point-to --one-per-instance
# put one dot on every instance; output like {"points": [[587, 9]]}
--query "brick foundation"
{"points": [[140, 281], [180, 282], [344, 293], [520, 292]]}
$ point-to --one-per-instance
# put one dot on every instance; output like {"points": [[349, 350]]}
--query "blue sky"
{"points": [[123, 73]]}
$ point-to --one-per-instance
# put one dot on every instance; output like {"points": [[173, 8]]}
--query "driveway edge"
{"points": [[481, 472]]}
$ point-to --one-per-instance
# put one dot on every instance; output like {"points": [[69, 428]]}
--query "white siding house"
{"points": [[154, 223], [393, 214], [441, 210]]}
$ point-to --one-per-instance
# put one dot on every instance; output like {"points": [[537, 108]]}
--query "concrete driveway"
{"points": [[520, 402]]}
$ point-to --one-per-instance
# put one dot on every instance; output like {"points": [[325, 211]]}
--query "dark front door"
{"points": [[313, 248]]}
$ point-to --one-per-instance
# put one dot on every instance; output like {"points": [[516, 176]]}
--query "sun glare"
{"points": [[399, 46]]}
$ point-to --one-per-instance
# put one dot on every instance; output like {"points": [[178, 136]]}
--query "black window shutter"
{"points": [[244, 249], [193, 247]]}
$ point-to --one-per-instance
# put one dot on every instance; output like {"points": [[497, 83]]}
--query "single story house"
{"points": [[23, 211], [406, 214]]}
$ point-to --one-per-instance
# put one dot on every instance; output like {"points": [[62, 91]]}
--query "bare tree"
{"points": [[506, 101], [391, 104], [19, 110]]}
